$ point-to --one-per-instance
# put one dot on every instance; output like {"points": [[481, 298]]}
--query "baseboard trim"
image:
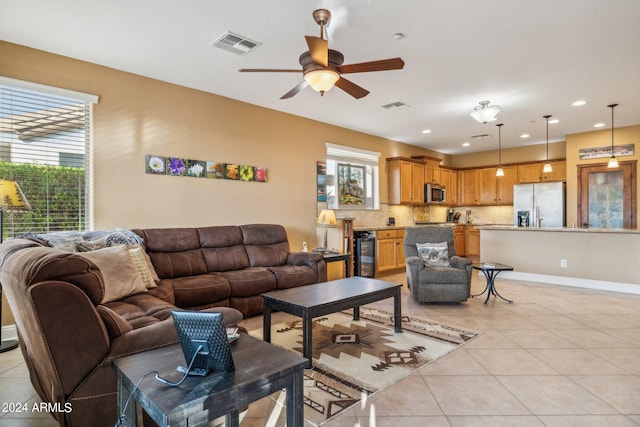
{"points": [[627, 288], [9, 332]]}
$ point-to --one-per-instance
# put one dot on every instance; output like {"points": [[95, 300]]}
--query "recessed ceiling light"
{"points": [[579, 103], [466, 144], [426, 131], [554, 121], [598, 125], [525, 135]]}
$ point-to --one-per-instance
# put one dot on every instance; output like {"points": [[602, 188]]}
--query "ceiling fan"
{"points": [[322, 67]]}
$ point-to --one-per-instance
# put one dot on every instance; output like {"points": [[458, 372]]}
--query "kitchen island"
{"points": [[592, 258]]}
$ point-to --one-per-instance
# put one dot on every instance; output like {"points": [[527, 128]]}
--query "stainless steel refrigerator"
{"points": [[539, 205]]}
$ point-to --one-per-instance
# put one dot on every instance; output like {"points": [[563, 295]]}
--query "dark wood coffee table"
{"points": [[261, 369], [324, 298]]}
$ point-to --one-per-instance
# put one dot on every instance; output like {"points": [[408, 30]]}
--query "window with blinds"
{"points": [[44, 155]]}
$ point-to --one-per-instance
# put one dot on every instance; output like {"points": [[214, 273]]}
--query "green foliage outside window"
{"points": [[56, 195]]}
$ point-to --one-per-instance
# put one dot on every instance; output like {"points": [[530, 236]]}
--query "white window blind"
{"points": [[44, 148]]}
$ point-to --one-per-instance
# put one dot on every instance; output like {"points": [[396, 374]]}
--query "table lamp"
{"points": [[11, 199], [326, 219]]}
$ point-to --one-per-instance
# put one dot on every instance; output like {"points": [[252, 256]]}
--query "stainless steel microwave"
{"points": [[434, 193]]}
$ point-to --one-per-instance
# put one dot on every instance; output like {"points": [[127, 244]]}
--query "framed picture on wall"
{"points": [[176, 166], [215, 170], [154, 165], [599, 152], [196, 168]]}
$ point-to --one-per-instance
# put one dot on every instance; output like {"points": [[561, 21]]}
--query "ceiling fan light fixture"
{"points": [[321, 80], [484, 114]]}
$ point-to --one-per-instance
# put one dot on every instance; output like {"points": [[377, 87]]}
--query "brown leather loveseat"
{"points": [[72, 323]]}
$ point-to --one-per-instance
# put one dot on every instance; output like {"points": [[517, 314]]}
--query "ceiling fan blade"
{"points": [[351, 88], [293, 92], [319, 49], [382, 65], [267, 70]]}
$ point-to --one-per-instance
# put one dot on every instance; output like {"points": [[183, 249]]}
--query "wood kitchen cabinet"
{"points": [[389, 250], [432, 172], [449, 180], [466, 239], [459, 240], [472, 241], [532, 172], [496, 190], [406, 182], [467, 187]]}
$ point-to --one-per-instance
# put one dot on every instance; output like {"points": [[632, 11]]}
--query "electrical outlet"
{"points": [[563, 263]]}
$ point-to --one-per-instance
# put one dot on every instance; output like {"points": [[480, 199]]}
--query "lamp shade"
{"points": [[327, 218], [11, 197], [321, 80], [484, 113]]}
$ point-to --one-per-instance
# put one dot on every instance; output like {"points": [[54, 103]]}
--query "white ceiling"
{"points": [[530, 57]]}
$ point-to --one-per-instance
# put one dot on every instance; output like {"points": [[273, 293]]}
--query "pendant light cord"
{"points": [[612, 106], [548, 116]]}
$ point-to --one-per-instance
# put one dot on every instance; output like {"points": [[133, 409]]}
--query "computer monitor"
{"points": [[205, 331]]}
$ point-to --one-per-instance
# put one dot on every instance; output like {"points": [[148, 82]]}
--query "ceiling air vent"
{"points": [[235, 43], [395, 106], [481, 136]]}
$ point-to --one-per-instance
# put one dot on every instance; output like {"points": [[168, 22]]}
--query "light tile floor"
{"points": [[557, 357]]}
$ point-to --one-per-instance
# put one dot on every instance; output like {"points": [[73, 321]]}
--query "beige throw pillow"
{"points": [[142, 263], [434, 254], [121, 279]]}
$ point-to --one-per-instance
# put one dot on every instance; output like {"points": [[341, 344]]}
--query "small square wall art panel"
{"points": [[154, 164], [176, 166], [196, 168], [232, 171], [247, 173], [215, 170], [261, 174]]}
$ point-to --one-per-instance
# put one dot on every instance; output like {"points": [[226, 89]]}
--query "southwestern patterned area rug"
{"points": [[356, 358]]}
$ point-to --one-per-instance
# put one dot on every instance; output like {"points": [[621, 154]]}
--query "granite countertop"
{"points": [[558, 229], [380, 227]]}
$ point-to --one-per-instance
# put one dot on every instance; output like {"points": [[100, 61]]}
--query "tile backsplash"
{"points": [[409, 215]]}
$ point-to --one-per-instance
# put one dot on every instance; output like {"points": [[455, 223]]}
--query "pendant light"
{"points": [[485, 113], [613, 162], [547, 166], [499, 171]]}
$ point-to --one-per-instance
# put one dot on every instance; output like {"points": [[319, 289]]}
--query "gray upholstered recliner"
{"points": [[436, 284]]}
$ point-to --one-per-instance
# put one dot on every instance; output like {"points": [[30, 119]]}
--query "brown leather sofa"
{"points": [[69, 334], [228, 265]]}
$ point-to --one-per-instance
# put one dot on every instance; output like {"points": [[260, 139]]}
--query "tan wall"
{"points": [[138, 116], [603, 256], [601, 138], [528, 153]]}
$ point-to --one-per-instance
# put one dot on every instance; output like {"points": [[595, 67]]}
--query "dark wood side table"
{"points": [[261, 369], [329, 257], [490, 272], [324, 298]]}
